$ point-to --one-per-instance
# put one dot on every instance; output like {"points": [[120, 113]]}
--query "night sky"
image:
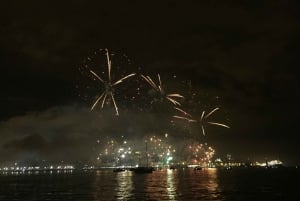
{"points": [[241, 56]]}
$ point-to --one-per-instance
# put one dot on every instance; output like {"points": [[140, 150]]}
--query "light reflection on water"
{"points": [[162, 185], [171, 188], [181, 184], [200, 185], [108, 185], [124, 186], [212, 184]]}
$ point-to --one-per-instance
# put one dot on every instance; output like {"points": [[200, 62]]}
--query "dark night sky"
{"points": [[245, 52]]}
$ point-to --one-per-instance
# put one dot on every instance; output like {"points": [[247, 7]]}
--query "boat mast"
{"points": [[146, 152]]}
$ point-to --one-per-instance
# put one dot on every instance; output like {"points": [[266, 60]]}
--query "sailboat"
{"points": [[142, 169]]}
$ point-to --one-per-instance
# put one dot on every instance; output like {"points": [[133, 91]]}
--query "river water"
{"points": [[180, 184]]}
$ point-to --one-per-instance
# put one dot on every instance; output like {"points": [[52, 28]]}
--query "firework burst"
{"points": [[109, 85], [198, 153], [203, 119], [159, 88]]}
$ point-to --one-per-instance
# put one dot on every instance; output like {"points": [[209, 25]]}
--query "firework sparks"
{"points": [[109, 86], [160, 90], [204, 117], [200, 154], [186, 116]]}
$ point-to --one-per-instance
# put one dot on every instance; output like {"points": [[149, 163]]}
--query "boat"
{"points": [[119, 170], [172, 167], [142, 169], [198, 168]]}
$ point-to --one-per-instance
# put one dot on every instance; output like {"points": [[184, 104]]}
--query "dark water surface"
{"points": [[181, 184]]}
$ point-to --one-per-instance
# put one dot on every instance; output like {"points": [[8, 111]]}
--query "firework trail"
{"points": [[203, 118], [108, 85], [160, 90], [186, 116]]}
